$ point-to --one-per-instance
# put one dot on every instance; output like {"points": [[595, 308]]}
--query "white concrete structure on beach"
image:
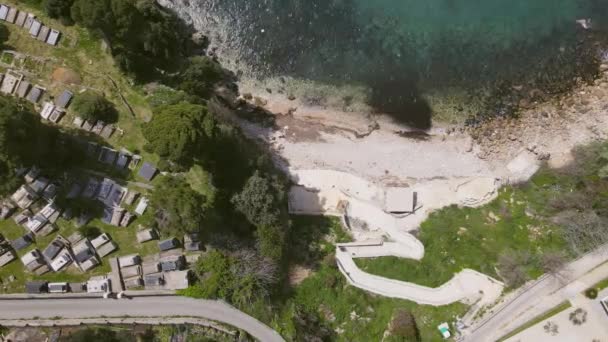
{"points": [[380, 233]]}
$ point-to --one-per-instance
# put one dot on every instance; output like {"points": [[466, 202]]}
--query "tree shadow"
{"points": [[90, 232], [400, 98]]}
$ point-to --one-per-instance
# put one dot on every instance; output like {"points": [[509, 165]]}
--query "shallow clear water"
{"points": [[397, 46]]}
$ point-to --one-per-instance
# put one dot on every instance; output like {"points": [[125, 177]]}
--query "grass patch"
{"points": [[548, 314], [601, 285], [457, 238]]}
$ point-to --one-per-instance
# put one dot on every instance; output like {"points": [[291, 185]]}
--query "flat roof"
{"points": [[147, 171], [400, 200], [53, 37], [64, 99]]}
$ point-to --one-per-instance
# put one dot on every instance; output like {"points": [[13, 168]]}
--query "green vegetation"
{"points": [[92, 106], [178, 133], [528, 230], [456, 238], [601, 285], [24, 140], [591, 293], [60, 9], [141, 35], [323, 303], [240, 277], [260, 200], [140, 333], [99, 334], [124, 238], [179, 209], [550, 313], [200, 76], [4, 35]]}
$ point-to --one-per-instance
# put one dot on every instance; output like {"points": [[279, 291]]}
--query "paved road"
{"points": [[543, 295], [137, 307]]}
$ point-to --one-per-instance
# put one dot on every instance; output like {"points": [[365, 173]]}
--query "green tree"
{"points": [[92, 106], [179, 132], [260, 200], [143, 36], [60, 9], [240, 277], [4, 34], [25, 141], [179, 209], [271, 241], [201, 76]]}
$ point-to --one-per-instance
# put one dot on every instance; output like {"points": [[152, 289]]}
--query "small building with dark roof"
{"points": [[154, 279], [108, 156], [40, 184], [147, 171], [84, 255], [173, 263], [64, 100], [22, 89], [35, 287], [22, 242], [122, 161], [168, 244], [51, 251], [35, 94], [192, 242]]}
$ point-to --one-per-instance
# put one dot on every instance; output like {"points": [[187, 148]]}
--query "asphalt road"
{"points": [[137, 307], [545, 294]]}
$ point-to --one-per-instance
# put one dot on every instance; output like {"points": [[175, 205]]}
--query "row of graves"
{"points": [[97, 127], [113, 196], [97, 284], [155, 272], [38, 213], [30, 23], [166, 270], [14, 83], [54, 111]]}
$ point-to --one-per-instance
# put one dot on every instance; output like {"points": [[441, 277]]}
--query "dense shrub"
{"points": [[143, 37], [591, 293], [92, 106]]}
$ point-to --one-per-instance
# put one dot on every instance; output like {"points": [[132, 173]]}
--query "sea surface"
{"points": [[395, 49]]}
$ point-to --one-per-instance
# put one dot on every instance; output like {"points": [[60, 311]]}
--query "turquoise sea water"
{"points": [[401, 47]]}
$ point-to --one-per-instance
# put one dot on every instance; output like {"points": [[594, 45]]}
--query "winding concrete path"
{"points": [[141, 307], [383, 234], [467, 285]]}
